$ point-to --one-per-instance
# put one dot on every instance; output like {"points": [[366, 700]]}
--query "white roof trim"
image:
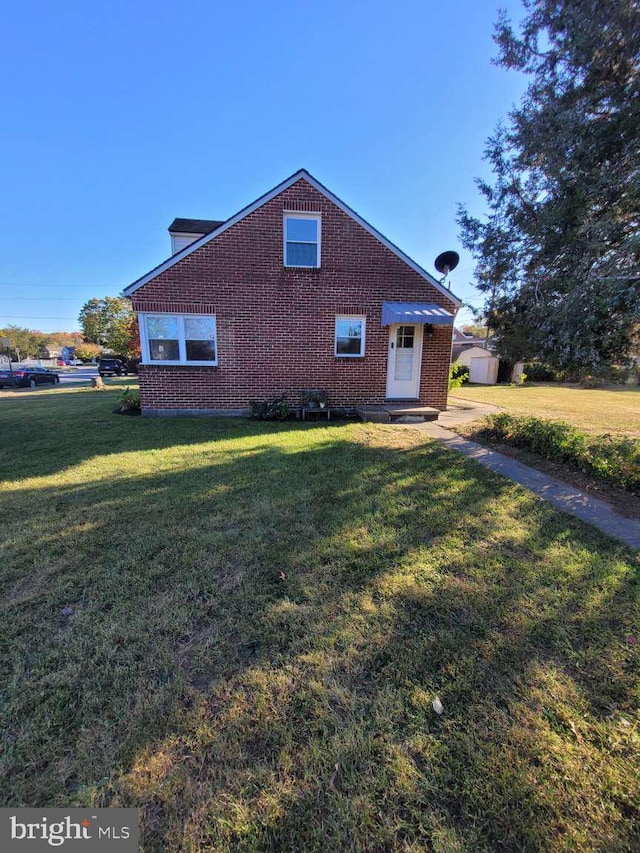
{"points": [[301, 174]]}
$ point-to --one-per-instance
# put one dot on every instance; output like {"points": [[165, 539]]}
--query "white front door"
{"points": [[403, 363]]}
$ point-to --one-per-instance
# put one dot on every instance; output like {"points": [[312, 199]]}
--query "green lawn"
{"points": [[615, 410], [261, 616]]}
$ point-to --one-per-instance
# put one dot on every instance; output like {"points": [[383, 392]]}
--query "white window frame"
{"points": [[293, 214], [182, 342], [360, 354]]}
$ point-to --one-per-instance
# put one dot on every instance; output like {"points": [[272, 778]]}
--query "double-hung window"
{"points": [[302, 240], [179, 339], [350, 334]]}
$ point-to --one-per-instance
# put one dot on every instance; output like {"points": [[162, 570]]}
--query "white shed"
{"points": [[483, 370], [473, 352]]}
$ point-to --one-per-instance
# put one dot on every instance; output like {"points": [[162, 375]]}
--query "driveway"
{"points": [[82, 375]]}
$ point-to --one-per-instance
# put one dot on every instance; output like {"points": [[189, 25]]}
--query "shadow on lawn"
{"points": [[251, 660], [94, 431]]}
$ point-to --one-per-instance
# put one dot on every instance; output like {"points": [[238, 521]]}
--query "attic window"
{"points": [[302, 240]]}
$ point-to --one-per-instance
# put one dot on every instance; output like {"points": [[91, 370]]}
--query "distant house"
{"points": [[51, 352], [295, 291], [462, 343]]}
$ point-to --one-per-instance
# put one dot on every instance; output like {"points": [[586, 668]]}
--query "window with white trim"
{"points": [[179, 339], [350, 335], [302, 240]]}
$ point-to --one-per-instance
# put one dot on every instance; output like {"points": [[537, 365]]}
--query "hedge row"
{"points": [[610, 458]]}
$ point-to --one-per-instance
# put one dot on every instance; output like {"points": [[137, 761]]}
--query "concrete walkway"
{"points": [[565, 497]]}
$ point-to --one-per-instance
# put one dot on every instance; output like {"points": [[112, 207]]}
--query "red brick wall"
{"points": [[276, 324]]}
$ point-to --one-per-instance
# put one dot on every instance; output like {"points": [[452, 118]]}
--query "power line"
{"points": [[39, 299], [29, 317], [56, 286]]}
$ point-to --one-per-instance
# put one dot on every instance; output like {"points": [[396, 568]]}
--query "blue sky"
{"points": [[119, 116]]}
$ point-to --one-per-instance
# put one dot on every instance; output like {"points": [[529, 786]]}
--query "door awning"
{"points": [[415, 312]]}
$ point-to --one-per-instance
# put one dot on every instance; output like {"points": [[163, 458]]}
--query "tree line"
{"points": [[32, 343], [107, 324]]}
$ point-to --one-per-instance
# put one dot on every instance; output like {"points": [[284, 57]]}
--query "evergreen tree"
{"points": [[558, 254]]}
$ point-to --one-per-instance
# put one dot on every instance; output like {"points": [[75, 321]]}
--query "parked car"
{"points": [[28, 377], [111, 367]]}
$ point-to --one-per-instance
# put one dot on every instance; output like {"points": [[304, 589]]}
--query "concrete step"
{"points": [[426, 413], [395, 413], [374, 416]]}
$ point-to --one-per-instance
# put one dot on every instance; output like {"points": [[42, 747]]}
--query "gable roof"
{"points": [[194, 226], [458, 349], [301, 174]]}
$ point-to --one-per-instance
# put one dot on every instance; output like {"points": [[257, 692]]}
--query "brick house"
{"points": [[295, 291]]}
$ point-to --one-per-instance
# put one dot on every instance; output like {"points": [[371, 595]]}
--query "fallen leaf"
{"points": [[437, 705]]}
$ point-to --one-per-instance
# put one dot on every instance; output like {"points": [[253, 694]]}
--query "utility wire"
{"points": [[37, 298], [29, 317], [56, 286]]}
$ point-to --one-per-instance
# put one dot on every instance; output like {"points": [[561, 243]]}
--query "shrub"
{"points": [[610, 458], [129, 400], [458, 375], [593, 382], [270, 410], [625, 375], [538, 372]]}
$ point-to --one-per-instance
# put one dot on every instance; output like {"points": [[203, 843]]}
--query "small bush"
{"points": [[610, 458], [129, 400], [624, 375], [538, 372], [458, 375], [270, 410], [593, 382], [611, 376]]}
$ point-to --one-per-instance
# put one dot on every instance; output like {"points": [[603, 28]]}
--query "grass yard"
{"points": [[613, 410], [240, 629]]}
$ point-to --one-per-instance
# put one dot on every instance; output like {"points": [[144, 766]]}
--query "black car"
{"points": [[111, 367], [28, 377]]}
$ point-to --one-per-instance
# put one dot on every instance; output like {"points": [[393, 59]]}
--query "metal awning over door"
{"points": [[415, 312]]}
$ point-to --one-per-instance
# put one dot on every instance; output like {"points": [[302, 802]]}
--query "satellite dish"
{"points": [[447, 261]]}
